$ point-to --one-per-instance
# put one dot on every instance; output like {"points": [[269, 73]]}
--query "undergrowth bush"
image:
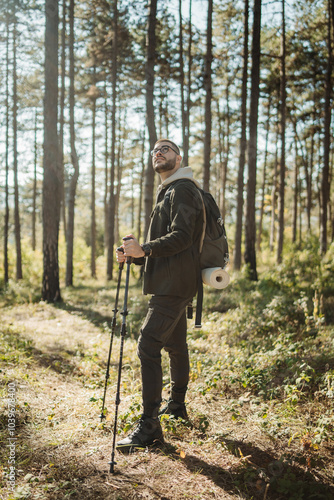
{"points": [[276, 335], [297, 294], [29, 288]]}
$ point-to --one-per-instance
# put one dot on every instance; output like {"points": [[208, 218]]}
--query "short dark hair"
{"points": [[175, 146]]}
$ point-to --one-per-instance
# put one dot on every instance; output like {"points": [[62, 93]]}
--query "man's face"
{"points": [[164, 162]]}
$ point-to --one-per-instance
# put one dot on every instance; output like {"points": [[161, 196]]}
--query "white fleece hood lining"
{"points": [[181, 173]]}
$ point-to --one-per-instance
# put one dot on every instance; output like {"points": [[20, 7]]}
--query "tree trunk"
{"points": [[227, 150], [106, 168], [243, 148], [250, 230], [150, 114], [281, 195], [300, 217], [111, 205], [208, 98], [52, 172], [74, 157], [300, 153], [160, 112], [6, 225], [264, 179], [332, 208], [331, 202], [15, 154], [220, 197], [274, 196], [327, 127], [62, 116], [183, 109], [120, 153], [140, 201], [309, 171], [295, 195], [163, 120], [34, 191], [308, 166], [188, 100], [92, 201]]}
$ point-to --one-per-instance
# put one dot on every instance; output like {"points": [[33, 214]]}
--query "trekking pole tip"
{"points": [[112, 463]]}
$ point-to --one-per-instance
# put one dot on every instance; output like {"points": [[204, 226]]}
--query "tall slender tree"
{"points": [[181, 62], [15, 152], [309, 168], [106, 166], [250, 229], [141, 179], [93, 94], [227, 148], [150, 113], [208, 98], [295, 193], [327, 126], [243, 145], [75, 161], [51, 165], [62, 114], [6, 225], [274, 195], [221, 171], [112, 194], [264, 179], [34, 195], [281, 196], [188, 99]]}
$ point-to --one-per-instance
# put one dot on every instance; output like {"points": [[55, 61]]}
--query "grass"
{"points": [[260, 399]]}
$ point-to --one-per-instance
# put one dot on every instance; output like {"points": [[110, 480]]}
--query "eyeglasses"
{"points": [[163, 150]]}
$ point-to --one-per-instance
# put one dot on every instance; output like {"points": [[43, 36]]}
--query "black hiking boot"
{"points": [[175, 409], [147, 432]]}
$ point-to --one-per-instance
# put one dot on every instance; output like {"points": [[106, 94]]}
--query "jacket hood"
{"points": [[181, 173]]}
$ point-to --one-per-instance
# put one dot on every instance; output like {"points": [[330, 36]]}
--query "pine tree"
{"points": [[52, 173], [250, 231]]}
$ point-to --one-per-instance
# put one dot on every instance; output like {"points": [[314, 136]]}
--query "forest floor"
{"points": [[261, 413]]}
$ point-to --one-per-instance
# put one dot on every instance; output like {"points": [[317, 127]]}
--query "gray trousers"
{"points": [[165, 326]]}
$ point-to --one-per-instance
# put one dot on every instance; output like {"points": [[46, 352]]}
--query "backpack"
{"points": [[213, 248]]}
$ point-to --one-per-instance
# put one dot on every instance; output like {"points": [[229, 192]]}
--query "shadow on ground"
{"points": [[55, 473]]}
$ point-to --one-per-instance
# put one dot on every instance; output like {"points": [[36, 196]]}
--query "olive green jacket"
{"points": [[174, 236]]}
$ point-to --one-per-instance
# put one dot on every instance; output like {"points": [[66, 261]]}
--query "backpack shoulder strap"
{"points": [[199, 302], [204, 223], [200, 291]]}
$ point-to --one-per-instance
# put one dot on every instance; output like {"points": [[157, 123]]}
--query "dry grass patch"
{"points": [[239, 446]]}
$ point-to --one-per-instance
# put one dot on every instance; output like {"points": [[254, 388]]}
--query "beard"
{"points": [[164, 165]]}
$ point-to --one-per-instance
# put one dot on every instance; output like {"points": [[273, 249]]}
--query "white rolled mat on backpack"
{"points": [[215, 277]]}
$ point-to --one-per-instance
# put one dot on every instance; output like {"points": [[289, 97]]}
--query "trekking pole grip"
{"points": [[121, 264], [121, 249], [128, 259]]}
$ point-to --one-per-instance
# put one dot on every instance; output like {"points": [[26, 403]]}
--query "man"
{"points": [[171, 273]]}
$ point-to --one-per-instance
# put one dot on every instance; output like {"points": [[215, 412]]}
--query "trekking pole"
{"points": [[113, 328], [123, 333]]}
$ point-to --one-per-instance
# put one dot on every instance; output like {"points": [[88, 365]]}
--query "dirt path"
{"points": [[56, 360], [62, 451]]}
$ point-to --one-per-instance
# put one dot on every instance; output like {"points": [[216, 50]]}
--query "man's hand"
{"points": [[120, 257], [132, 248]]}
